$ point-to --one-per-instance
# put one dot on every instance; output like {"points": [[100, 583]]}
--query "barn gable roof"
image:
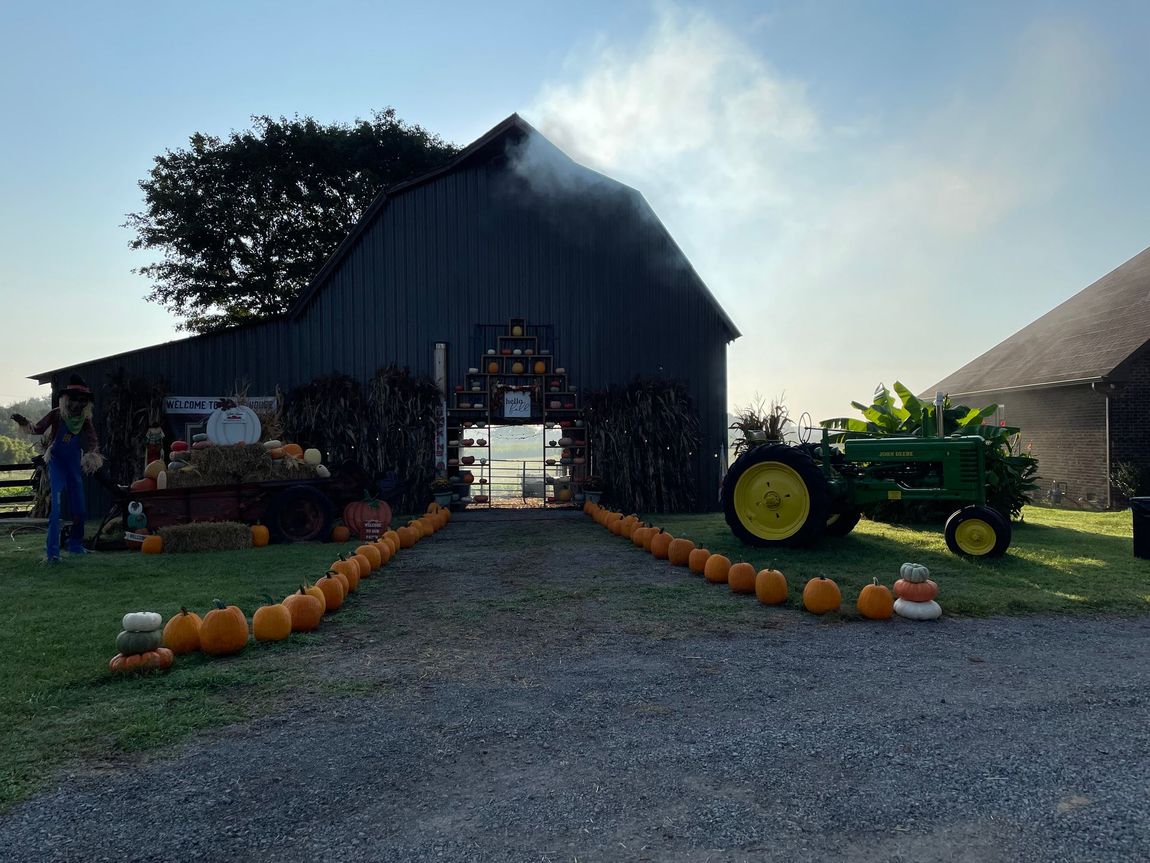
{"points": [[491, 145], [1084, 340]]}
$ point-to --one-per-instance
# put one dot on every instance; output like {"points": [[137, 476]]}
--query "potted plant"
{"points": [[593, 488], [441, 490]]}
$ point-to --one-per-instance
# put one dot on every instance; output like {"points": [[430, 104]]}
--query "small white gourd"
{"points": [[141, 621], [162, 479], [272, 444], [322, 472], [312, 456]]}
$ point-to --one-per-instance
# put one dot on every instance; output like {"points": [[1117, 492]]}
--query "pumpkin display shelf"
{"points": [[516, 356]]}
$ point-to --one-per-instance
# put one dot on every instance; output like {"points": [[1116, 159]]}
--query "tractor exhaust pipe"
{"points": [[938, 422]]}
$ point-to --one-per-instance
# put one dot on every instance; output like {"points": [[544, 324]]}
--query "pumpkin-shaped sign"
{"points": [[368, 509], [234, 425]]}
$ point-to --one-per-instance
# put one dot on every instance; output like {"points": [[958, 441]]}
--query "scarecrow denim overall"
{"points": [[67, 480]]}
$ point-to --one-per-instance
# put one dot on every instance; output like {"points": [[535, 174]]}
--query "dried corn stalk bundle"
{"points": [[127, 408], [646, 436], [327, 414], [400, 432]]}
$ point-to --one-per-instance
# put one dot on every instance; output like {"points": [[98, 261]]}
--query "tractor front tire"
{"points": [[978, 532], [776, 495], [843, 522]]}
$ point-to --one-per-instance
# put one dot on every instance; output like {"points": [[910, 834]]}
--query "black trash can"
{"points": [[1140, 509]]}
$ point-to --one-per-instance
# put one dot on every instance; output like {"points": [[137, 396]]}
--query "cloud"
{"points": [[844, 248]]}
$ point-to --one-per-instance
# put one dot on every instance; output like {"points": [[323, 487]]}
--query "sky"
{"points": [[872, 190]]}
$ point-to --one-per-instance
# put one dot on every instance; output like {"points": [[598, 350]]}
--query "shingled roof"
{"points": [[1085, 339]]}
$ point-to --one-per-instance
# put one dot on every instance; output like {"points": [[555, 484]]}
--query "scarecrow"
{"points": [[73, 452]]}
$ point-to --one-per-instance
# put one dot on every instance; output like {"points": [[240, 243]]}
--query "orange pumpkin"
{"points": [[305, 611], [333, 590], [153, 544], [260, 535], [697, 560], [383, 549], [393, 536], [161, 658], [922, 591], [293, 449], [821, 595], [224, 630], [349, 569], [339, 533], [145, 484], [640, 534], [771, 587], [741, 578], [649, 538], [182, 632], [408, 536], [493, 368], [679, 551], [272, 622], [717, 569], [364, 565], [312, 590], [661, 545], [875, 601]]}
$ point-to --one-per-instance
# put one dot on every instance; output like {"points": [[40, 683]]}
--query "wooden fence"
{"points": [[17, 478]]}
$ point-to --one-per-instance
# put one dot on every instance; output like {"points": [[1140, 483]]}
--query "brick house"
{"points": [[1077, 382]]}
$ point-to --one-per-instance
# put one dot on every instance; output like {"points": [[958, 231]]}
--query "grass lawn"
{"points": [[57, 633], [1059, 562]]}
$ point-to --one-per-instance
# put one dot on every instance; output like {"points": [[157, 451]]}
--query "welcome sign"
{"points": [[516, 404]]}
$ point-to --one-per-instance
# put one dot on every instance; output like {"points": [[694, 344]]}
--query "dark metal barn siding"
{"points": [[480, 244]]}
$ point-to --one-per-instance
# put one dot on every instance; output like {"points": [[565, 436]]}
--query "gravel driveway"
{"points": [[536, 690]]}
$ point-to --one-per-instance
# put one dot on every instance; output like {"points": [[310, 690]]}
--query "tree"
{"points": [[33, 408], [243, 223]]}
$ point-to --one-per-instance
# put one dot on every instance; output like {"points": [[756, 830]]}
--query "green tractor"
{"points": [[777, 494]]}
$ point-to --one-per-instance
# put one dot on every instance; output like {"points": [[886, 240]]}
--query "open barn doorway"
{"points": [[517, 477]]}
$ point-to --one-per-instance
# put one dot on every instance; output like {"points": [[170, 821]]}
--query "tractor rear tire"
{"points": [[843, 522], [775, 495], [978, 532]]}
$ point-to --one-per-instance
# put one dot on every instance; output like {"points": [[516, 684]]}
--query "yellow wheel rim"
{"points": [[772, 501], [975, 536]]}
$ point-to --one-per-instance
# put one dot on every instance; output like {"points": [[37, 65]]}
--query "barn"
{"points": [[1077, 382], [510, 269]]}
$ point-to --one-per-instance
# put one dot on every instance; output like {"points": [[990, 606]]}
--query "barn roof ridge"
{"points": [[1084, 339], [479, 146]]}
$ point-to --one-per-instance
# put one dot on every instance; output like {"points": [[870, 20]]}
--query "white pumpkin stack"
{"points": [[142, 632], [916, 593]]}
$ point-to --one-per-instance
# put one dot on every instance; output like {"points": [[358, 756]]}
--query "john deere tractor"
{"points": [[787, 495]]}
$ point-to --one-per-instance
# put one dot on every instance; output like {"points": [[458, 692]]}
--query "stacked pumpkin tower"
{"points": [[916, 593], [517, 357]]}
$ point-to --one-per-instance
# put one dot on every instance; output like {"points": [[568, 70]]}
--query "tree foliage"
{"points": [[242, 223], [33, 408]]}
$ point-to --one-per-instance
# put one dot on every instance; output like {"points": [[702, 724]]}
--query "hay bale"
{"points": [[226, 465], [206, 536]]}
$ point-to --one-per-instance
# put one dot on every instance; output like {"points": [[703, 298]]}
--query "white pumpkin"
{"points": [[273, 444], [312, 456], [322, 472], [917, 610], [915, 573], [142, 621], [162, 479]]}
